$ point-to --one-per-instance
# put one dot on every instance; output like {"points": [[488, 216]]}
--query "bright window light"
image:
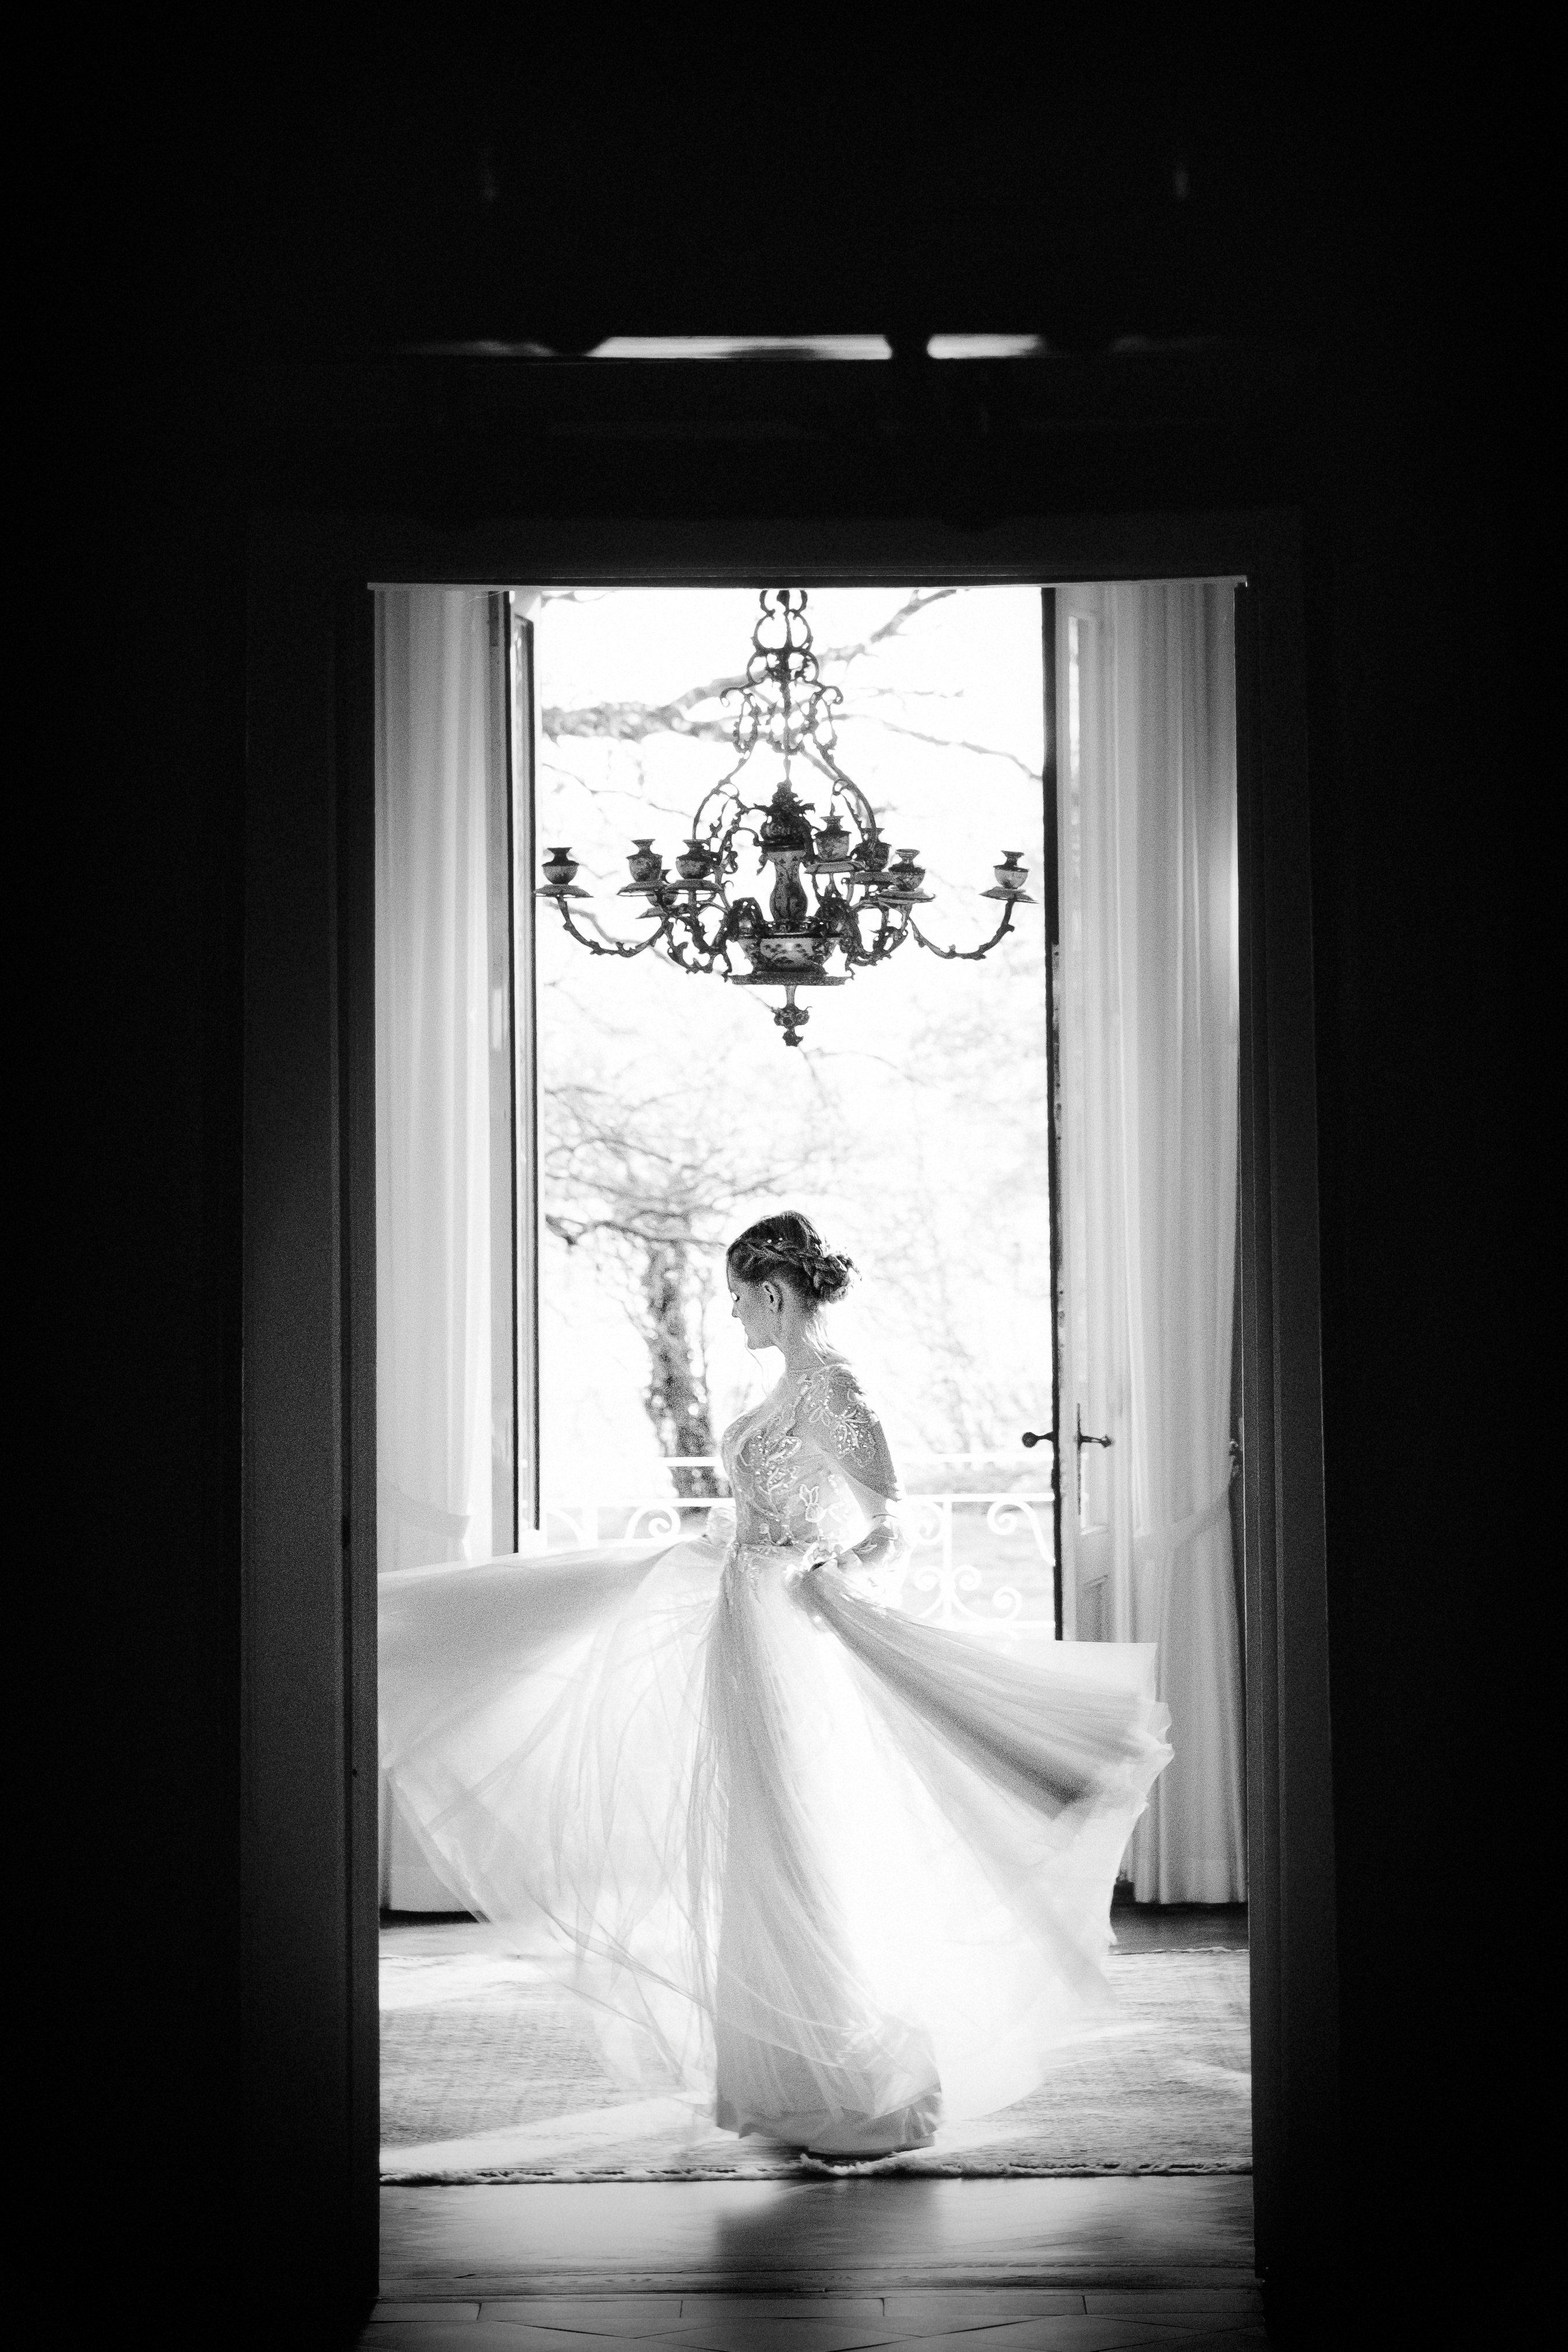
{"points": [[743, 347], [984, 347]]}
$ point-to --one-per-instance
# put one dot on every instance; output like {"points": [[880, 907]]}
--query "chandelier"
{"points": [[860, 907]]}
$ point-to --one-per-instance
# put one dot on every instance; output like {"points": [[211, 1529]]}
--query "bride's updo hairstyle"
{"points": [[788, 1248]]}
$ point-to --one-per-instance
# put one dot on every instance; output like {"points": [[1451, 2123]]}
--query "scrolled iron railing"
{"points": [[1011, 1529]]}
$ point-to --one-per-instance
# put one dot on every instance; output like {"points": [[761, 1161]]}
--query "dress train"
{"points": [[838, 1875]]}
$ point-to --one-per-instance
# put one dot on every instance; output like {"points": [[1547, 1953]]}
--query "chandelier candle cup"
{"points": [[1011, 875], [901, 886], [647, 870], [785, 710], [833, 848]]}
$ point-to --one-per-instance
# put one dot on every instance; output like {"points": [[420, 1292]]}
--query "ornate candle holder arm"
{"points": [[892, 930], [1011, 875], [969, 955], [623, 948], [710, 949]]}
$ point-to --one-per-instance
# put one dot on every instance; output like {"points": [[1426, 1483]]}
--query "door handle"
{"points": [[1082, 1438]]}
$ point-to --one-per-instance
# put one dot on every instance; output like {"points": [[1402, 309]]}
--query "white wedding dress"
{"points": [[837, 1873]]}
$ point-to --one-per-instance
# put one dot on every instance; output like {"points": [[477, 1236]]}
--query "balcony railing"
{"points": [[980, 1559]]}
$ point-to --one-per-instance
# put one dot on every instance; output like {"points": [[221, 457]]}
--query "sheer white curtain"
{"points": [[439, 768], [1149, 1069]]}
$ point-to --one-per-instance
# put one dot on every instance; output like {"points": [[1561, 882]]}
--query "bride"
{"points": [[837, 1873]]}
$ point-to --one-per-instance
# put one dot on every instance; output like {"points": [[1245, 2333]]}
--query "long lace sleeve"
{"points": [[834, 1415]]}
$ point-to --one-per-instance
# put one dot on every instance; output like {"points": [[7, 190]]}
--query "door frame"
{"points": [[309, 1765]]}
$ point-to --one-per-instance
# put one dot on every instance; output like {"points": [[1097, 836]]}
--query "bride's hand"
{"points": [[814, 1556]]}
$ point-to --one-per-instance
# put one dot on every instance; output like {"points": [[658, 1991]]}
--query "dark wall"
{"points": [[1308, 265]]}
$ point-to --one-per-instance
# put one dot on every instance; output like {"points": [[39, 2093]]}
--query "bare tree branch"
{"points": [[958, 743], [918, 602], [634, 722]]}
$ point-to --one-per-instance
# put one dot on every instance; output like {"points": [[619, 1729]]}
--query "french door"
{"points": [[1095, 1515]]}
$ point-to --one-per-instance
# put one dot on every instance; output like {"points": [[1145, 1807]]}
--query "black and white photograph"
{"points": [[788, 1335]]}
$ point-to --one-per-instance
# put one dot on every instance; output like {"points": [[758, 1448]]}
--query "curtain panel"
{"points": [[1149, 1039], [444, 1396]]}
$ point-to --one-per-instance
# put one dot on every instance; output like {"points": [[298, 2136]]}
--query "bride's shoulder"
{"points": [[829, 1382], [834, 1407], [833, 1393]]}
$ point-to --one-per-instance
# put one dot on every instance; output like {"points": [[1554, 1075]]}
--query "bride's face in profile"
{"points": [[756, 1309]]}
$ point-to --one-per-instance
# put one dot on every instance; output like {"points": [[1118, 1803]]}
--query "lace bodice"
{"points": [[796, 1461]]}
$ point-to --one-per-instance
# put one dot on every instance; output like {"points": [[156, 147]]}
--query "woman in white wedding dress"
{"points": [[836, 1873]]}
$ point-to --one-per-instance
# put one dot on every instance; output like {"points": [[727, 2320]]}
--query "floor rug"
{"points": [[489, 2072]]}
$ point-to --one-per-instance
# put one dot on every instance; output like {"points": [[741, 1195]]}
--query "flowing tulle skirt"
{"points": [[835, 1873]]}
